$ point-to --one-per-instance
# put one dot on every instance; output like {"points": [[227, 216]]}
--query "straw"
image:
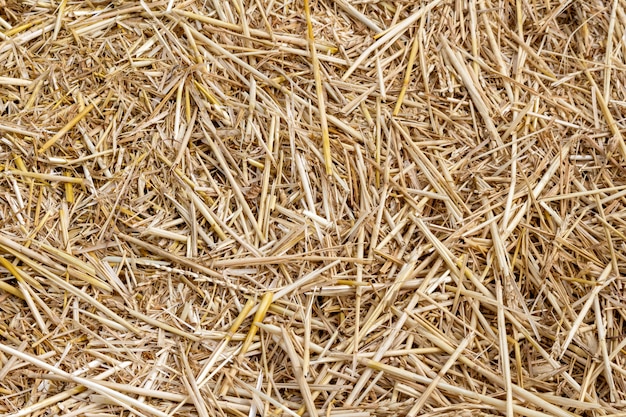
{"points": [[339, 209]]}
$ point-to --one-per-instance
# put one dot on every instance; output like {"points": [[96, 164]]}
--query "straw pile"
{"points": [[322, 208]]}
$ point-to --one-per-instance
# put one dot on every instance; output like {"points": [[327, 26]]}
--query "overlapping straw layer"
{"points": [[322, 208]]}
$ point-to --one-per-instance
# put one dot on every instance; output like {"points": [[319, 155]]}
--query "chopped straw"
{"points": [[312, 208]]}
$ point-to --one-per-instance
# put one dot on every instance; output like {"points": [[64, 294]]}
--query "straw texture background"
{"points": [[324, 208]]}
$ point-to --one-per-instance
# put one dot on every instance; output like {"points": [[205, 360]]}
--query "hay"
{"points": [[340, 209]]}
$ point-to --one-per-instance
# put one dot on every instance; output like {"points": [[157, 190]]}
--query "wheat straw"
{"points": [[347, 208]]}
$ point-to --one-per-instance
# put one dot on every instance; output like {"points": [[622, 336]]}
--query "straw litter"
{"points": [[324, 208]]}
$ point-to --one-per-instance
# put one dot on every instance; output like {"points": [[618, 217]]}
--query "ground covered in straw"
{"points": [[325, 208]]}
